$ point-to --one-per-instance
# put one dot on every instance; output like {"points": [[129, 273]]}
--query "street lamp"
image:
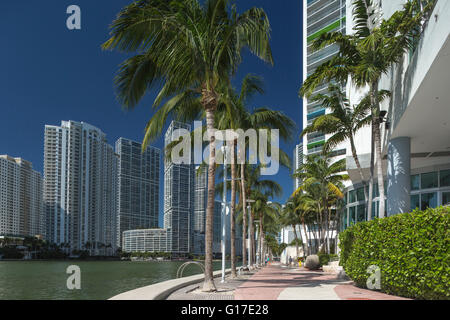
{"points": [[258, 249], [224, 207], [249, 201]]}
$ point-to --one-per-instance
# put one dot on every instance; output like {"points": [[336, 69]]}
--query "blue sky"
{"points": [[49, 73]]}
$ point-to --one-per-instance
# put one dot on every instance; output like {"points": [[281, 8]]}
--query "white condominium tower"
{"points": [[138, 187], [80, 187], [319, 17], [21, 208], [178, 197], [298, 161]]}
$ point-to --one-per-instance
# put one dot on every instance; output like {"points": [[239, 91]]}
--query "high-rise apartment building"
{"points": [[80, 187], [21, 207], [138, 187], [415, 147], [178, 196], [319, 16], [297, 163], [201, 199]]}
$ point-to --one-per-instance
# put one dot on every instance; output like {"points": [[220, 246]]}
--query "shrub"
{"points": [[324, 258], [411, 250]]}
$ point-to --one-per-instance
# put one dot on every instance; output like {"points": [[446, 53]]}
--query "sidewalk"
{"points": [[276, 282]]}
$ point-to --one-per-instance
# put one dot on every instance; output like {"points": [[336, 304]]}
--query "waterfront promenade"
{"points": [[278, 282]]}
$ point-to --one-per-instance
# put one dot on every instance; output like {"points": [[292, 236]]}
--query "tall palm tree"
{"points": [[191, 50], [343, 122], [290, 218], [235, 113], [367, 55], [318, 173], [267, 213]]}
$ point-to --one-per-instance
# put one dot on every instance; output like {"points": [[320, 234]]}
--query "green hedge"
{"points": [[412, 251]]}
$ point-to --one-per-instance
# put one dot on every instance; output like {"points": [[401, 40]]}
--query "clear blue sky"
{"points": [[49, 74]]}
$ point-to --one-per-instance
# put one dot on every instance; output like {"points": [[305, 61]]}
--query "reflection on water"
{"points": [[99, 279]]}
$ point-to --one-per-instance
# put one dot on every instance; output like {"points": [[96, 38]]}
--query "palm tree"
{"points": [[367, 55], [324, 178], [343, 122], [192, 50], [234, 114], [262, 118], [290, 218], [267, 213]]}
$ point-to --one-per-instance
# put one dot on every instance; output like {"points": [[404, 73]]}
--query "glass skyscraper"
{"points": [[178, 197], [138, 187]]}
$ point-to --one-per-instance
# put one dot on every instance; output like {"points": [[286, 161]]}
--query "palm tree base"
{"points": [[209, 286]]}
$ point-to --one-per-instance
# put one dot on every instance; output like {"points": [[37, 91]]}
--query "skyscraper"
{"points": [[178, 196], [298, 161], [21, 208], [200, 200], [138, 187], [319, 17], [80, 184]]}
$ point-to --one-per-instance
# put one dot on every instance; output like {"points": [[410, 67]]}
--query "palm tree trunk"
{"points": [[208, 285], [252, 239], [306, 238], [261, 236], [244, 215], [358, 165], [377, 139], [233, 211], [296, 241], [372, 160]]}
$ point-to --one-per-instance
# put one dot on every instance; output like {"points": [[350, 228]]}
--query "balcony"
{"points": [[316, 114]]}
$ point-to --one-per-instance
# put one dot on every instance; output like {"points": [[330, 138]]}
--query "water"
{"points": [[100, 280]]}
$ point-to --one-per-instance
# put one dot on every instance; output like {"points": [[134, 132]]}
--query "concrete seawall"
{"points": [[161, 290]]}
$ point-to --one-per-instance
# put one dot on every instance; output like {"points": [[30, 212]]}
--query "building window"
{"points": [[360, 194], [429, 200], [352, 196], [352, 215], [375, 209], [344, 219], [361, 213], [415, 182], [446, 198], [445, 178], [429, 180], [415, 202]]}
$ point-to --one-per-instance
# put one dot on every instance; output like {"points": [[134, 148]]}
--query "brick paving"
{"points": [[278, 282]]}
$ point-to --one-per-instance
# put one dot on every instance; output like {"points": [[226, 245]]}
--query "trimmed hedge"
{"points": [[412, 250]]}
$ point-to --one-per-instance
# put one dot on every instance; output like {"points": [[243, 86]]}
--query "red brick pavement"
{"points": [[269, 282], [350, 292]]}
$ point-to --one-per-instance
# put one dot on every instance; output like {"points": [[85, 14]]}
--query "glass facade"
{"points": [[445, 178], [428, 200], [446, 198], [428, 190], [429, 180]]}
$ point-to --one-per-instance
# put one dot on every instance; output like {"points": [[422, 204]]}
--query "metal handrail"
{"points": [[184, 265]]}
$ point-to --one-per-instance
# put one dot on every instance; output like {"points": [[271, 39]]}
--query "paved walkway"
{"points": [[276, 282], [225, 291]]}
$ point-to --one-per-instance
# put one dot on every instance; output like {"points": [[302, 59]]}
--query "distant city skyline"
{"points": [[74, 77]]}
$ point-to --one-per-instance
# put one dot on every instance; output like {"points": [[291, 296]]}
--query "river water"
{"points": [[100, 280]]}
